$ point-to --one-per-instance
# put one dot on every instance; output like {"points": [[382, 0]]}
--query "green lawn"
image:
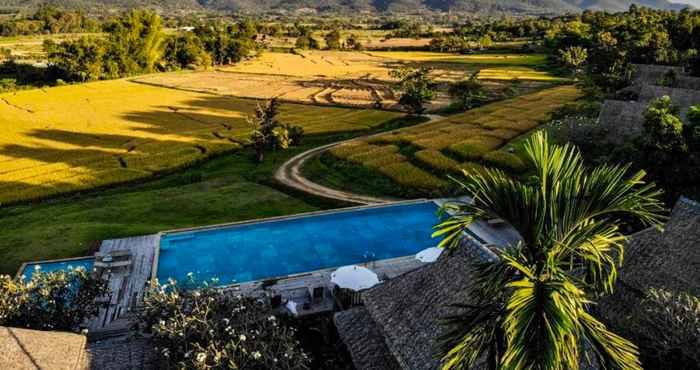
{"points": [[225, 189]]}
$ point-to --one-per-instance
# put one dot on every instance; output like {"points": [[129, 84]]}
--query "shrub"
{"points": [[385, 160], [436, 160], [407, 174], [209, 328], [505, 160], [476, 147], [60, 300]]}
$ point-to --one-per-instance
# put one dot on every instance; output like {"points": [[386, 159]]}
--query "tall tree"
{"points": [[415, 88], [532, 307], [468, 93], [574, 57], [135, 42]]}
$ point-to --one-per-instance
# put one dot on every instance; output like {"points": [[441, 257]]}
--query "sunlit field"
{"points": [[486, 58], [376, 65], [421, 156], [77, 137]]}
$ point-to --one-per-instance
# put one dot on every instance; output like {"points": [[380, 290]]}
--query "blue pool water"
{"points": [[29, 268], [268, 249]]}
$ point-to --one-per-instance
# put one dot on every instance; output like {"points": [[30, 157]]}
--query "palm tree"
{"points": [[532, 308]]}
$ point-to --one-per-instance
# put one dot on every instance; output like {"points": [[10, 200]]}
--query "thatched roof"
{"points": [[668, 260], [364, 340], [622, 120], [121, 354], [33, 349], [405, 311], [651, 74]]}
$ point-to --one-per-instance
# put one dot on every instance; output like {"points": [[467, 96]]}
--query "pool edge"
{"points": [[154, 268], [24, 264]]}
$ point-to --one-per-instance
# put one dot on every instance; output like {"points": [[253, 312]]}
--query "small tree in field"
{"points": [[268, 133], [60, 300], [574, 57], [332, 40], [415, 88], [468, 93]]}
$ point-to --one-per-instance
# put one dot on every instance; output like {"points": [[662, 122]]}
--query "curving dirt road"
{"points": [[289, 173]]}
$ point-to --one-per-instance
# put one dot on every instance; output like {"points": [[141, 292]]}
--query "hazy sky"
{"points": [[695, 3]]}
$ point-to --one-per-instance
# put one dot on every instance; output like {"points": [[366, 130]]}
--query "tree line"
{"points": [[135, 43], [49, 19]]}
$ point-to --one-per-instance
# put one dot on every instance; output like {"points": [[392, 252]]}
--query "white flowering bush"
{"points": [[60, 300], [209, 328]]}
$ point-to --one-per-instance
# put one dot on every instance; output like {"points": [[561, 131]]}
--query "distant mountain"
{"points": [[621, 5], [399, 6]]}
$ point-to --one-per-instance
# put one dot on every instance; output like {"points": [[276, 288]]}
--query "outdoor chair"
{"points": [[318, 294], [276, 301]]}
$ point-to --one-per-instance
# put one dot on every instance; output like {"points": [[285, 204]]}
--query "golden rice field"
{"points": [[485, 58], [346, 92], [465, 141], [376, 65], [77, 137], [357, 79]]}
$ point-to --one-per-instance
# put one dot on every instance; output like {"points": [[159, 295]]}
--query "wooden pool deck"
{"points": [[127, 286]]}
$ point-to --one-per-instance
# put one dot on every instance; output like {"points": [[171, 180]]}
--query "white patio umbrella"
{"points": [[292, 307], [354, 277], [429, 255]]}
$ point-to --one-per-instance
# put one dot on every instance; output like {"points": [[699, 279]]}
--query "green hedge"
{"points": [[474, 148], [343, 151], [373, 153], [385, 160], [505, 161], [404, 173], [436, 160]]}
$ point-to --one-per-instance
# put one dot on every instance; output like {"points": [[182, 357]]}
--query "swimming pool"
{"points": [[51, 266], [275, 248]]}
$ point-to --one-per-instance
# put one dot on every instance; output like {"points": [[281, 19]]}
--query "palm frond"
{"points": [[612, 351], [471, 333], [541, 324]]}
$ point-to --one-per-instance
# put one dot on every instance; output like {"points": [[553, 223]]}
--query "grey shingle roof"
{"points": [[364, 340]]}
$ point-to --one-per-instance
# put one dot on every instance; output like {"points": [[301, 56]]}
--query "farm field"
{"points": [[416, 160], [485, 58], [78, 137], [359, 79], [376, 65]]}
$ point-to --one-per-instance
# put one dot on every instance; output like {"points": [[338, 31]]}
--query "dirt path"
{"points": [[289, 174]]}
